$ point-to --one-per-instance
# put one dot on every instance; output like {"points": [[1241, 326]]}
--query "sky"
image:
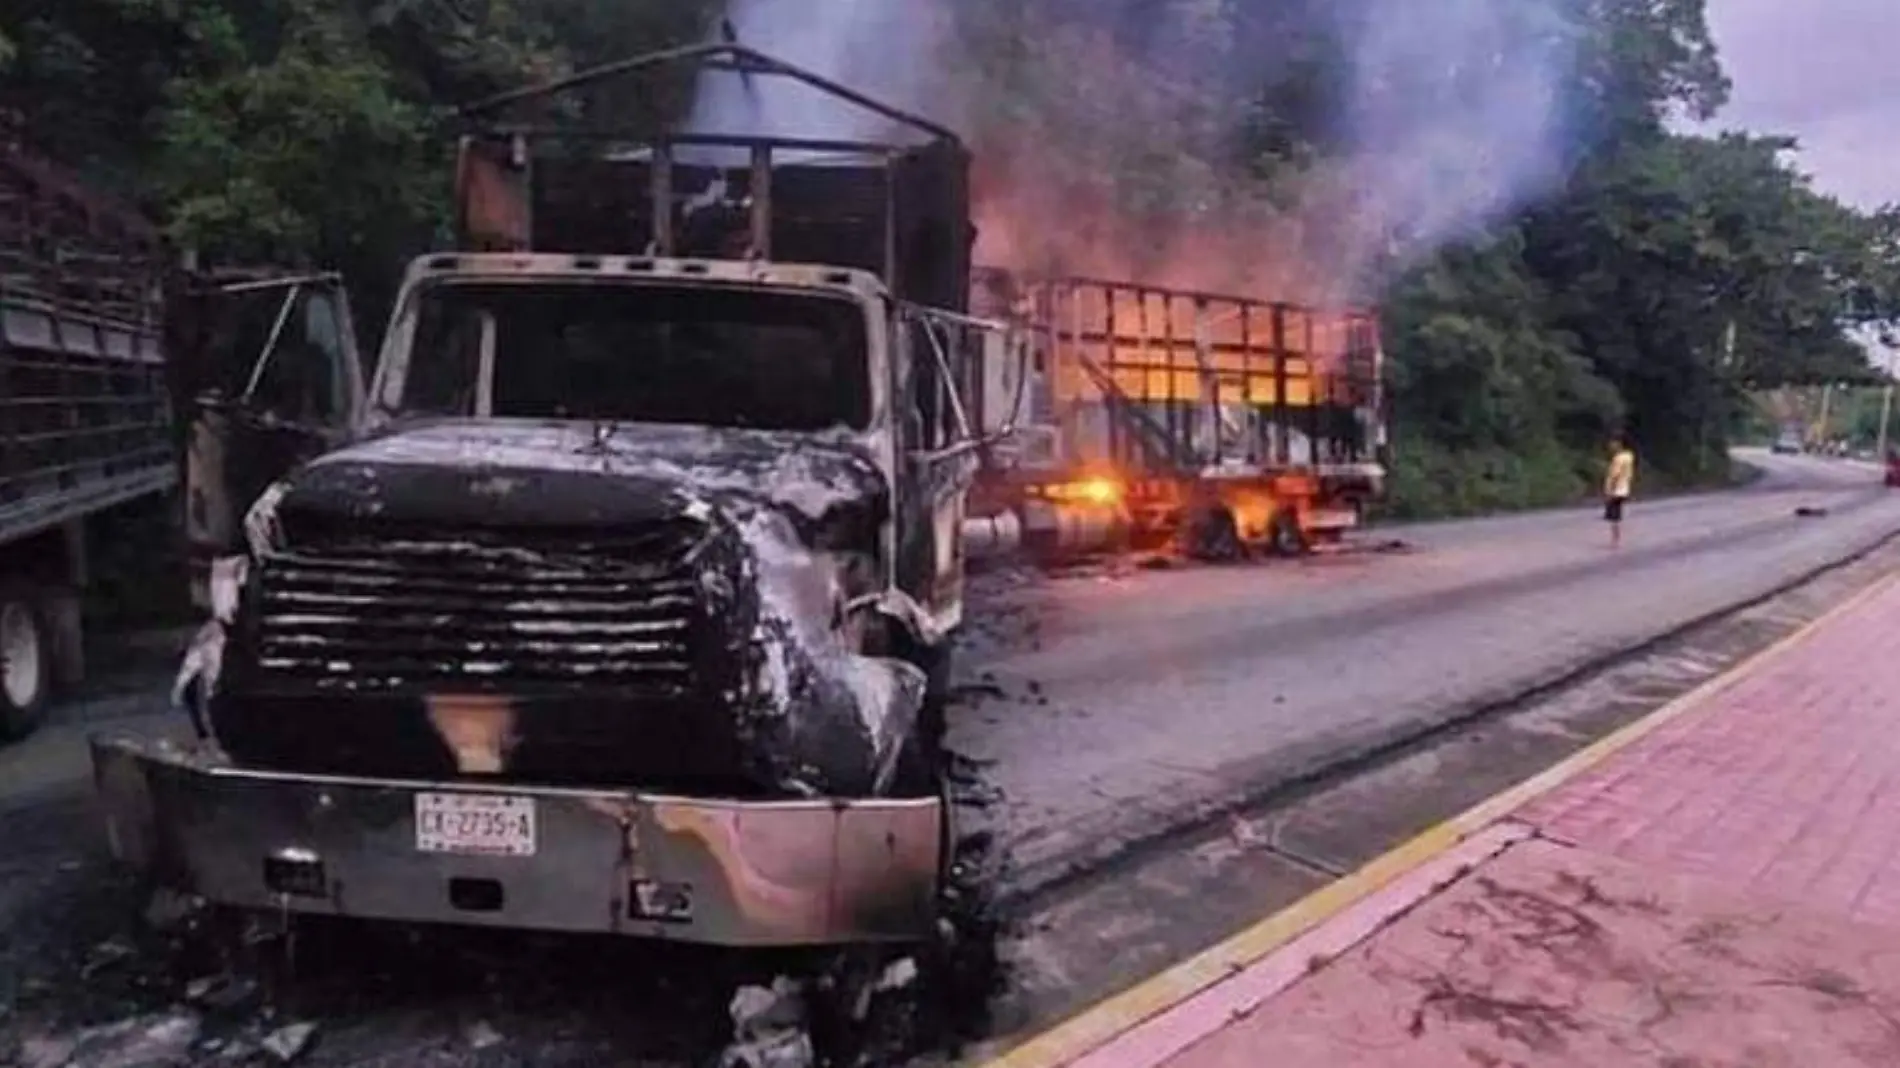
{"points": [[1822, 71]]}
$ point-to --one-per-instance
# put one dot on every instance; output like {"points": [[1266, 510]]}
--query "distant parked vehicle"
{"points": [[1788, 444]]}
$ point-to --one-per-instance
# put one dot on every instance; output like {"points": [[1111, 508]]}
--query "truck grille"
{"points": [[482, 609]]}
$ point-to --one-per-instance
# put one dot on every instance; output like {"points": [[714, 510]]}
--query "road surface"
{"points": [[1137, 701], [1109, 708]]}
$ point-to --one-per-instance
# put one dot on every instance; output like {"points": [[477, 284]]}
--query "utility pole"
{"points": [[1827, 397], [1886, 405], [1722, 381], [1716, 409]]}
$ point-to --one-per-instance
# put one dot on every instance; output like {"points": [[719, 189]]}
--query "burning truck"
{"points": [[1163, 418]]}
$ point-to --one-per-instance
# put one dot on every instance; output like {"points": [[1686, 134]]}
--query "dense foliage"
{"points": [[295, 131], [1654, 282]]}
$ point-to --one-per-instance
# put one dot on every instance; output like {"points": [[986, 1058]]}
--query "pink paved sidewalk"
{"points": [[1724, 891]]}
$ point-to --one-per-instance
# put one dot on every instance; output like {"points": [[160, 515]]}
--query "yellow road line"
{"points": [[1097, 1025]]}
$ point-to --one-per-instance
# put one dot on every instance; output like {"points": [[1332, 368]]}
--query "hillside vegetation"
{"points": [[1627, 277]]}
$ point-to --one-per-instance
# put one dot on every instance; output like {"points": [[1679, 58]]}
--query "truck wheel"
{"points": [[1213, 535], [963, 969], [26, 667], [953, 979], [936, 662], [1285, 538]]}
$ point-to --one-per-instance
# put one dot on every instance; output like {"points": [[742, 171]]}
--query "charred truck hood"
{"points": [[569, 604], [590, 474]]}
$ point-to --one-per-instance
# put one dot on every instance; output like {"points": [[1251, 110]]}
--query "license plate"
{"points": [[480, 825]]}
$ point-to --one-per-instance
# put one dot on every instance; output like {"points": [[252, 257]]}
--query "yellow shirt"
{"points": [[1621, 475]]}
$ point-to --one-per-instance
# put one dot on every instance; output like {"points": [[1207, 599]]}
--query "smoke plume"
{"points": [[1125, 138], [882, 48], [1454, 117]]}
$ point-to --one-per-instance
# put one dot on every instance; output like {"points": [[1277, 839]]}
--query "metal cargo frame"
{"points": [[84, 421], [1134, 377], [897, 209]]}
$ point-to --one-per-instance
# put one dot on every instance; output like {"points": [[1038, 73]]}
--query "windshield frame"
{"points": [[398, 350]]}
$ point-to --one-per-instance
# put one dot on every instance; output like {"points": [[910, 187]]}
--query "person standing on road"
{"points": [[1617, 482]]}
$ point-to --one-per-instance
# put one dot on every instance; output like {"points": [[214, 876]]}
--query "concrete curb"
{"points": [[1147, 1001], [1172, 1032]]}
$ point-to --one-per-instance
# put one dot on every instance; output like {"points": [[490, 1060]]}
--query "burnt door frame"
{"points": [[937, 460], [235, 437]]}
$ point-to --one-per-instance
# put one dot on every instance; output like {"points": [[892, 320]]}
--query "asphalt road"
{"points": [[1132, 702], [1109, 708]]}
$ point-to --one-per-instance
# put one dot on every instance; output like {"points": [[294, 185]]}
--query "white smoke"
{"points": [[1455, 116], [1449, 115], [885, 49]]}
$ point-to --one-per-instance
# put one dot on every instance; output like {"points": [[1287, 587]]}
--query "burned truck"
{"points": [[621, 601]]}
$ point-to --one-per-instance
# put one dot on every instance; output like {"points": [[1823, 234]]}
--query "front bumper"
{"points": [[732, 873]]}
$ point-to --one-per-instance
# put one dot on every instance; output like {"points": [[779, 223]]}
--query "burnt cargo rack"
{"points": [[1148, 404], [1190, 379], [898, 209]]}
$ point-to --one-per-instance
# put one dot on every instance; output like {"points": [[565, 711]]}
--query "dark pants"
{"points": [[1613, 509]]}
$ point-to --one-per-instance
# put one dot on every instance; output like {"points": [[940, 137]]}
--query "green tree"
{"points": [[299, 131], [1495, 409], [1660, 280], [1679, 270], [1664, 253]]}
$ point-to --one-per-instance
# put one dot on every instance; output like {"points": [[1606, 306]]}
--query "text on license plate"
{"points": [[483, 825]]}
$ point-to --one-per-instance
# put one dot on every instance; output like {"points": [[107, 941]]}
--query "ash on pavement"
{"points": [[87, 979]]}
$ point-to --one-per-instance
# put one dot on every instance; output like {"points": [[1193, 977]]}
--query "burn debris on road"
{"points": [[973, 693], [355, 995], [769, 1028], [290, 1042], [166, 1038], [89, 962]]}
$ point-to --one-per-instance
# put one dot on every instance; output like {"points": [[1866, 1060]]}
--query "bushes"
{"points": [[1428, 481]]}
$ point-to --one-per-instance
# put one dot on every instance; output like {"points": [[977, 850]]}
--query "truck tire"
{"points": [[936, 662], [1213, 535], [921, 767], [955, 976], [1284, 537], [26, 663]]}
